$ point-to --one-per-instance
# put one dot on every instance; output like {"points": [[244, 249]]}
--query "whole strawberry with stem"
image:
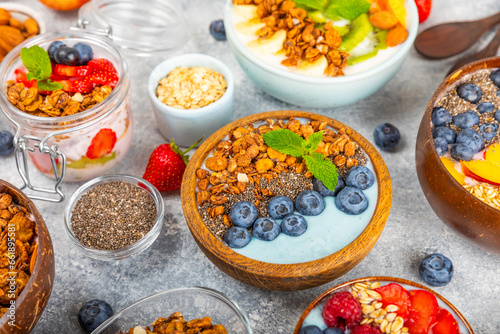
{"points": [[166, 166]]}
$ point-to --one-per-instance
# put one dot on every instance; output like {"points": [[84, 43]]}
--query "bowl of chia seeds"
{"points": [[114, 217]]}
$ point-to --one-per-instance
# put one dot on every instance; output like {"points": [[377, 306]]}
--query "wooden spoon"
{"points": [[448, 39]]}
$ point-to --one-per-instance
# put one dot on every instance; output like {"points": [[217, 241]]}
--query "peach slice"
{"points": [[397, 7], [450, 166], [492, 154], [482, 170]]}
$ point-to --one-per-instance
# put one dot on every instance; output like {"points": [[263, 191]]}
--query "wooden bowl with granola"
{"points": [[239, 190], [464, 191], [31, 264]]}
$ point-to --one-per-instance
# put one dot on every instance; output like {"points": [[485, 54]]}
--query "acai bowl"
{"points": [[269, 245], [268, 60]]}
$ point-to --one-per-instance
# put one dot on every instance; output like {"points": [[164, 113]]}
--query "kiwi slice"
{"points": [[360, 28], [381, 45]]}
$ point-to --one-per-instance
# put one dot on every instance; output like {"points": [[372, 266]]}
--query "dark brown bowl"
{"points": [[454, 205], [284, 276], [33, 299]]}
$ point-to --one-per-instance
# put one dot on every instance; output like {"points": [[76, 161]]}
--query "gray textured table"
{"points": [[175, 260]]}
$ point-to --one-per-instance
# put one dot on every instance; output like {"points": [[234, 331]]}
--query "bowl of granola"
{"points": [[286, 200], [457, 152], [27, 261], [319, 54]]}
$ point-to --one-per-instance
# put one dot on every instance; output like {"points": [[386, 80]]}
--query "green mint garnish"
{"points": [[314, 4], [37, 62], [346, 9], [288, 142]]}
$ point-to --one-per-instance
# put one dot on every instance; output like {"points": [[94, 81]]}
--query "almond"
{"points": [[16, 23], [4, 16], [31, 27], [396, 36], [10, 37], [383, 19]]}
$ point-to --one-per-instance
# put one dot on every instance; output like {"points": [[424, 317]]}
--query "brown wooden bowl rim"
{"points": [[381, 279], [443, 87], [201, 233]]}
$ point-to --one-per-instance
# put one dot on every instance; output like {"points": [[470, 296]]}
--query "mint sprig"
{"points": [[37, 62], [288, 142]]}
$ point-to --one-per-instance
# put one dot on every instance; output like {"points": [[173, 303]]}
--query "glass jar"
{"points": [[59, 146]]}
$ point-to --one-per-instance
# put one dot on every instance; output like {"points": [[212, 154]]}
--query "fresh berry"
{"points": [[324, 191], [279, 207], [311, 329], [436, 269], [440, 116], [93, 313], [53, 48], [359, 177], [441, 145], [166, 166], [6, 143], [351, 201], [472, 139], [387, 136], [466, 120], [237, 237], [395, 294], [217, 30], [102, 78], [488, 130], [342, 311], [424, 9], [22, 78], [72, 71], [293, 225], [366, 329], [495, 77], [102, 64], [67, 56], [83, 86], [85, 53], [423, 312], [446, 323], [461, 152], [446, 133], [485, 107], [266, 229], [333, 330], [310, 203], [102, 143], [243, 214], [469, 92]]}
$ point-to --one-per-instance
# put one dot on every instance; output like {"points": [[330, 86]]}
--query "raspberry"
{"points": [[365, 329], [342, 310]]}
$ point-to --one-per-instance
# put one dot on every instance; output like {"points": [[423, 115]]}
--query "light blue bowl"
{"points": [[319, 92]]}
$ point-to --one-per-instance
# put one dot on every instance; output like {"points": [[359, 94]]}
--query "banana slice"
{"points": [[316, 68], [269, 46], [246, 12], [250, 27]]}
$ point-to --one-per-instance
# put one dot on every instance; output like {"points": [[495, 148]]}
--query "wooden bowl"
{"points": [[383, 279], [285, 276], [454, 205], [33, 299]]}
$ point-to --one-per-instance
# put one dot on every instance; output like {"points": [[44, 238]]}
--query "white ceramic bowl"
{"points": [[187, 126], [319, 92]]}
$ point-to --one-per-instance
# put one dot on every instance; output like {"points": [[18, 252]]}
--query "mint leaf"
{"points": [[347, 9], [48, 85], [285, 141], [312, 142], [322, 169], [37, 62], [315, 4]]}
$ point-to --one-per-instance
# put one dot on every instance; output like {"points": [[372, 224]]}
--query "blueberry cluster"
{"points": [[467, 141], [78, 55]]}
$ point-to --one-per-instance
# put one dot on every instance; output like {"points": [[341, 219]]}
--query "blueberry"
{"points": [[472, 139], [461, 152], [279, 206], [359, 177], [53, 48], [6, 143], [324, 191], [311, 329], [93, 313], [85, 53], [386, 136], [446, 133], [266, 229], [351, 201], [469, 92], [309, 203], [488, 130], [440, 116], [333, 330], [498, 93], [466, 120], [495, 77], [243, 214], [217, 30], [485, 107], [436, 269], [497, 115], [237, 237], [441, 145], [293, 225], [66, 56]]}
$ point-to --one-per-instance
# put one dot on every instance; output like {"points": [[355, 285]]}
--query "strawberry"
{"points": [[397, 295], [166, 166], [21, 77], [446, 323], [72, 71], [102, 64], [82, 85], [102, 78], [424, 9], [423, 312], [102, 143]]}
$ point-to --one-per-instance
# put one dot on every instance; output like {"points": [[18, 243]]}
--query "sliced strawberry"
{"points": [[102, 78], [102, 144], [446, 323], [423, 312], [83, 85], [72, 71], [22, 78], [102, 64], [395, 294]]}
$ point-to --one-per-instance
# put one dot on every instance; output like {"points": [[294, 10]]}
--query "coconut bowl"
{"points": [[32, 300], [452, 203], [295, 276]]}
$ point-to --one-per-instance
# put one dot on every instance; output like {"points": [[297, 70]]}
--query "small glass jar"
{"points": [[58, 146]]}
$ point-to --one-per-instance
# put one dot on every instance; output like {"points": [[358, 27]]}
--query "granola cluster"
{"points": [[58, 103], [304, 42]]}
